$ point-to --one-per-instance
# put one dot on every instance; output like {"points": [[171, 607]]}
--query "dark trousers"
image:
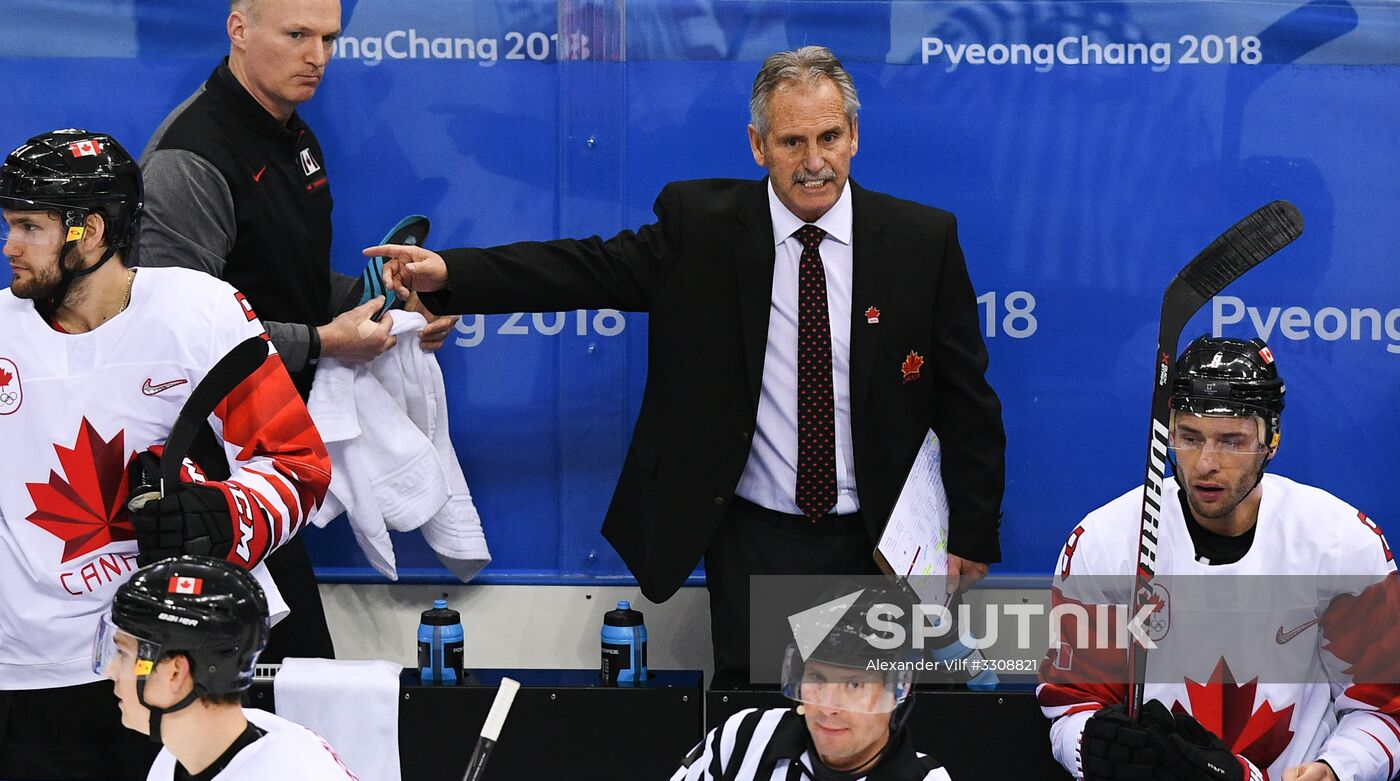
{"points": [[73, 732], [754, 540], [303, 632]]}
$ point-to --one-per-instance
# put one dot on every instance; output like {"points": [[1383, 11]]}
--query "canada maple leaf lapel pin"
{"points": [[913, 362]]}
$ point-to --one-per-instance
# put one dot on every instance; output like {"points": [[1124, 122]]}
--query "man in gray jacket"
{"points": [[236, 185]]}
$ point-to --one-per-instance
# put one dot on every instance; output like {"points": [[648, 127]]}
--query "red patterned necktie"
{"points": [[816, 405]]}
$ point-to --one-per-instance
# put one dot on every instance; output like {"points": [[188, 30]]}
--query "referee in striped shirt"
{"points": [[848, 725]]}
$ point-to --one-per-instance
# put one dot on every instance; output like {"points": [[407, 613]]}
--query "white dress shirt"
{"points": [[770, 476]]}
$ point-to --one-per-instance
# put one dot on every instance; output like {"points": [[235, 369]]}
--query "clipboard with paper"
{"points": [[914, 546]]}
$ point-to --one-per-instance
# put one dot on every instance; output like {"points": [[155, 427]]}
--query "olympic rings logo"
{"points": [[8, 398]]}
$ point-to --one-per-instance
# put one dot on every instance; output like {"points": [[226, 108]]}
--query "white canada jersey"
{"points": [[74, 410], [288, 750], [1289, 672], [774, 745]]}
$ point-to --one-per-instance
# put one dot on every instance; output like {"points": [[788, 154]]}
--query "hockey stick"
{"points": [[1245, 245], [412, 231], [491, 730], [235, 367]]}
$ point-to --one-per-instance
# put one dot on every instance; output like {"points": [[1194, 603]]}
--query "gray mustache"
{"points": [[825, 175]]}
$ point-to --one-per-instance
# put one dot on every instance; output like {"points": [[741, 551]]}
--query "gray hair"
{"points": [[802, 66]]}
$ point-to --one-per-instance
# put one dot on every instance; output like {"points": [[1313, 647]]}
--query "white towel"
{"points": [[354, 705], [276, 606], [392, 462]]}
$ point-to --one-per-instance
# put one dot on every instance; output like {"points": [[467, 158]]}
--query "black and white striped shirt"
{"points": [[773, 745]]}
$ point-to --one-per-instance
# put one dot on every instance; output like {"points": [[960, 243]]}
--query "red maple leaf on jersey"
{"points": [[86, 505], [1227, 709], [5, 378]]}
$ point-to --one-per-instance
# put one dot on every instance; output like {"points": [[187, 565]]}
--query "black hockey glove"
{"points": [[191, 518], [1190, 752], [1115, 748]]}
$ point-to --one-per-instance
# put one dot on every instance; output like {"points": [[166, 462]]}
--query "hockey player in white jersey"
{"points": [[1275, 609], [179, 645], [849, 722], [96, 361]]}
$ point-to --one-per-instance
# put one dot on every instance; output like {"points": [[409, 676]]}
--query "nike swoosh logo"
{"points": [[257, 177], [1282, 637], [151, 390]]}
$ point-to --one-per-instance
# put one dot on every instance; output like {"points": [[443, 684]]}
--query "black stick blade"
{"points": [[1247, 243]]}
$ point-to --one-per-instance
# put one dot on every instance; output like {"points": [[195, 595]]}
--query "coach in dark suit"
{"points": [[804, 336]]}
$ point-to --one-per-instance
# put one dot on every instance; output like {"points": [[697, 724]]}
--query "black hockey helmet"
{"points": [[1220, 376], [76, 172], [851, 643], [206, 608]]}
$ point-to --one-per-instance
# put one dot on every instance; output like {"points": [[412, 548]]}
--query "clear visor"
{"points": [[33, 229], [113, 645], [1229, 434], [852, 689]]}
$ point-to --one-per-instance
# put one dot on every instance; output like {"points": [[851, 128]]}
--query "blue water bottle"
{"points": [[440, 658], [624, 646]]}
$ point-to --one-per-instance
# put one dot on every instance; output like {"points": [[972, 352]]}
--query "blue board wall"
{"points": [[1081, 184]]}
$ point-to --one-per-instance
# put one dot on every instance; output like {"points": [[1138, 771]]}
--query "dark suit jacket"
{"points": [[704, 273]]}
